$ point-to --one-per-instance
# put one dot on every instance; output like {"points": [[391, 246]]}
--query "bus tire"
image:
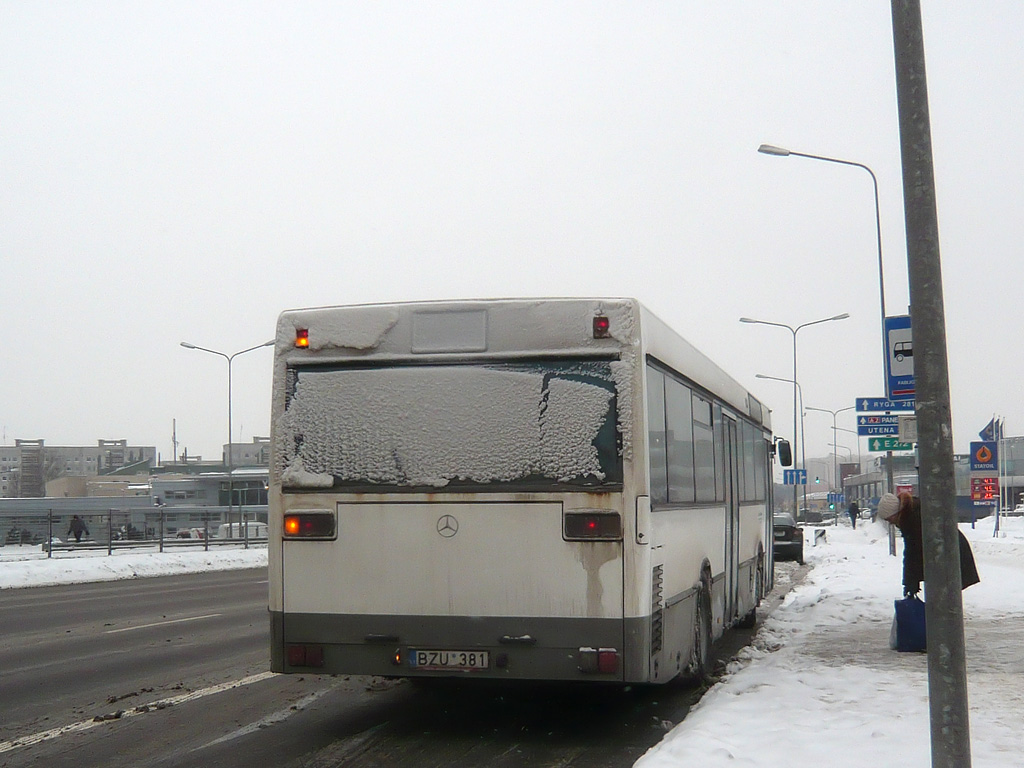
{"points": [[699, 668], [749, 621]]}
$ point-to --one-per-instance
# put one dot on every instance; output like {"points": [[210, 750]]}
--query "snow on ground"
{"points": [[818, 686], [25, 566]]}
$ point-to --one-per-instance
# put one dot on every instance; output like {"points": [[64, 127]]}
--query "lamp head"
{"points": [[768, 149], [186, 345]]}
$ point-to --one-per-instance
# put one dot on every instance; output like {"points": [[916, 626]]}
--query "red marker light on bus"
{"points": [[302, 338], [602, 327], [591, 525]]}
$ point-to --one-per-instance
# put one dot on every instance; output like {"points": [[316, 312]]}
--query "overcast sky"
{"points": [[185, 171]]}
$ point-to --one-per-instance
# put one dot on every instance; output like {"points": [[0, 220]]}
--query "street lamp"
{"points": [[845, 448], [768, 149], [794, 331], [860, 463], [230, 462], [835, 437], [802, 445]]}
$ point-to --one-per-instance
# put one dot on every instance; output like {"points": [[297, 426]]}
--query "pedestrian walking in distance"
{"points": [[854, 513], [77, 528]]}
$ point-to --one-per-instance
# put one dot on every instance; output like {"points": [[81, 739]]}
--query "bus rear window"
{"points": [[495, 426]]}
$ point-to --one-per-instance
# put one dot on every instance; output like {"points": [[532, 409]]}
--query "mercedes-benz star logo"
{"points": [[447, 526]]}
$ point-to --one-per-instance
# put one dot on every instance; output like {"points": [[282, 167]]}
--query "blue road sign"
{"points": [[878, 429], [794, 477], [876, 404], [899, 358]]}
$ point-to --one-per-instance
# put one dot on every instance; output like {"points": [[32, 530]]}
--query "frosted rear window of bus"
{"points": [[533, 424]]}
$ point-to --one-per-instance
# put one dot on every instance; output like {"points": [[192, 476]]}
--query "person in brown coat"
{"points": [[905, 513]]}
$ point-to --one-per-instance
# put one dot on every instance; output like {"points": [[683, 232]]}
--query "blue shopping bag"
{"points": [[909, 625]]}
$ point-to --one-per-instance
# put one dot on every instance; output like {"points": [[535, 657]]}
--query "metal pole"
{"points": [[1001, 458], [835, 459], [947, 667], [794, 331], [796, 487], [803, 443], [768, 149], [229, 462]]}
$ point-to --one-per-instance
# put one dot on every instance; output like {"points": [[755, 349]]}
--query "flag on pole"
{"points": [[989, 432]]}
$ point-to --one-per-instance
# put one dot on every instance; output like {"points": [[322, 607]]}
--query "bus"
{"points": [[549, 489]]}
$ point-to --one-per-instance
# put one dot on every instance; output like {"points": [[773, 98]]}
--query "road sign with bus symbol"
{"points": [[899, 358]]}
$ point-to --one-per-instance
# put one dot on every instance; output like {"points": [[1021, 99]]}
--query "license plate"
{"points": [[453, 660]]}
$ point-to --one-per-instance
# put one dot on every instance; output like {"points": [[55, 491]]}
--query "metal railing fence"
{"points": [[113, 529]]}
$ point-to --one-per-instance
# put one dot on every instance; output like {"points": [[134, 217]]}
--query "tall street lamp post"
{"points": [[835, 439], [769, 149], [795, 331], [860, 463], [229, 462], [849, 451], [802, 443]]}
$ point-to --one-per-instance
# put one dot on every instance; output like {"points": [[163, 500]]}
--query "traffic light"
{"points": [[817, 479], [832, 505]]}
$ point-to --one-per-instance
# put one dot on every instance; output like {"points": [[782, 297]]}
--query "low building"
{"points": [[28, 465]]}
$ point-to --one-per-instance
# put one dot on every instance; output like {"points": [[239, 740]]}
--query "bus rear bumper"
{"points": [[520, 648]]}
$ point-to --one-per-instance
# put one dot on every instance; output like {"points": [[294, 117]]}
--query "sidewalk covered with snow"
{"points": [[820, 687]]}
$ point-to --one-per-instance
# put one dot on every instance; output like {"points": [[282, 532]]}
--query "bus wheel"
{"points": [[699, 668], [749, 621]]}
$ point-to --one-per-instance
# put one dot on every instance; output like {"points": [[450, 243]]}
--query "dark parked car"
{"points": [[789, 538], [811, 515]]}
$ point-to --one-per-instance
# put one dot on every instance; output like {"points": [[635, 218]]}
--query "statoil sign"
{"points": [[985, 456]]}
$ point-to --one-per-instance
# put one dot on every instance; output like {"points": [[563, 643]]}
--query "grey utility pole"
{"points": [[944, 610]]}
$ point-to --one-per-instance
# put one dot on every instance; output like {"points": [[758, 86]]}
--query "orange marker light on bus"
{"points": [[310, 524], [302, 338]]}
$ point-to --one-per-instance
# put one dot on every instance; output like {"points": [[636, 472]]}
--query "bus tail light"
{"points": [[310, 525], [302, 338], [602, 327], [591, 525], [599, 660]]}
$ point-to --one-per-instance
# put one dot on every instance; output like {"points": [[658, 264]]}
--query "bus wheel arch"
{"points": [[749, 620], [698, 670]]}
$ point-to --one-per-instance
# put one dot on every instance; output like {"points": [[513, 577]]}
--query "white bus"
{"points": [[551, 489]]}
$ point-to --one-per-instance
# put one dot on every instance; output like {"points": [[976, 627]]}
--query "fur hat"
{"points": [[888, 506]]}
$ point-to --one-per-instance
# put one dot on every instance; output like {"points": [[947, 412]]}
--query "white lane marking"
{"points": [[162, 623], [84, 725], [277, 717]]}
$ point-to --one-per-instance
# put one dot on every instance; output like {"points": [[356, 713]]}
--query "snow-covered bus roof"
{"points": [[518, 327]]}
